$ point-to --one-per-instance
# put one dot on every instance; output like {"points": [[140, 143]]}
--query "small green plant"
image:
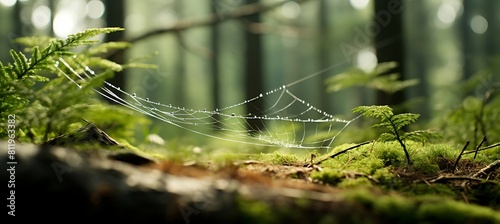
{"points": [[373, 79], [45, 102], [394, 123]]}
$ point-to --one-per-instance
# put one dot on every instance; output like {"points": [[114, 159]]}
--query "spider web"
{"points": [[285, 121]]}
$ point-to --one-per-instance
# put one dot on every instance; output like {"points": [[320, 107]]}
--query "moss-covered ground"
{"points": [[374, 181]]}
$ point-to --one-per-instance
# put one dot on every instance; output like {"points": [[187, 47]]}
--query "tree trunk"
{"points": [[389, 43], [253, 70], [324, 55], [115, 17], [467, 43], [214, 66]]}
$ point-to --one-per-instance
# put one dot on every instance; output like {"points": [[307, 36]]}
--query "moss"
{"points": [[368, 165], [386, 178], [256, 211], [328, 219], [425, 189], [278, 158], [394, 209], [398, 209], [355, 183], [389, 153], [328, 176], [455, 212]]}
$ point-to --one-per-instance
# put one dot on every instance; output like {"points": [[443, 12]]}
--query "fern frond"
{"points": [[35, 55], [353, 77], [104, 63], [420, 135], [20, 63], [401, 120], [376, 79], [105, 47], [384, 67], [56, 47], [393, 123], [384, 124], [30, 42], [82, 38], [390, 83], [3, 72], [374, 111], [386, 137]]}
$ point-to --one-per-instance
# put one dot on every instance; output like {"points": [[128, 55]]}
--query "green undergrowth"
{"points": [[378, 185], [382, 165], [371, 158], [367, 206]]}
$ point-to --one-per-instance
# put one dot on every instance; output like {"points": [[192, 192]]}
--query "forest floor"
{"points": [[375, 187], [370, 182]]}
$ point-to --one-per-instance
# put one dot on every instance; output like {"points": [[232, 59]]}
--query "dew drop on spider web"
{"points": [[134, 95]]}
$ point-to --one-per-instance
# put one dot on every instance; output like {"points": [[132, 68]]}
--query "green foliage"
{"points": [[45, 102], [375, 79], [394, 208], [394, 123], [478, 113], [280, 158]]}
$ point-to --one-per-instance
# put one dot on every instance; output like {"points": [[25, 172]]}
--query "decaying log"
{"points": [[58, 183]]}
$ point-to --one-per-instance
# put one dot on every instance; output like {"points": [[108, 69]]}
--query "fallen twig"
{"points": [[481, 149], [460, 156], [451, 178], [341, 152], [479, 146], [488, 169]]}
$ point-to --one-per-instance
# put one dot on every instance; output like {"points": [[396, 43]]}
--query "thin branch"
{"points": [[342, 152], [487, 147], [452, 178], [460, 156], [196, 50], [215, 18], [479, 146], [488, 169], [237, 13]]}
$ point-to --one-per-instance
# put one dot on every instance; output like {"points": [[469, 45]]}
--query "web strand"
{"points": [[286, 121]]}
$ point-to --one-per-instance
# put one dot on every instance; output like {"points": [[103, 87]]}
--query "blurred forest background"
{"points": [[216, 53]]}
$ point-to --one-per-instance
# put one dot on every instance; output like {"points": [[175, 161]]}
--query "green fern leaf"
{"points": [[3, 72], [104, 63], [374, 111], [35, 55], [105, 47], [21, 64], [390, 83], [384, 67], [30, 42], [401, 120], [384, 124], [420, 135], [386, 137]]}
